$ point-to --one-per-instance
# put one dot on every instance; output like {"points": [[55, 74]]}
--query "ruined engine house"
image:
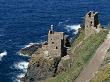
{"points": [[92, 23]]}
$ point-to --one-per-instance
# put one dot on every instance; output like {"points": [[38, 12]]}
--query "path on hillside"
{"points": [[87, 74]]}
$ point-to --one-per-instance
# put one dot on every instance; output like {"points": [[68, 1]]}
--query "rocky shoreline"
{"points": [[41, 67]]}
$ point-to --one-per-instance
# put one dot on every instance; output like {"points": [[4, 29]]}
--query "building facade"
{"points": [[55, 43], [92, 23]]}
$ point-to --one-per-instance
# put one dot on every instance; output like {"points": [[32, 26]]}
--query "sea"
{"points": [[25, 22]]}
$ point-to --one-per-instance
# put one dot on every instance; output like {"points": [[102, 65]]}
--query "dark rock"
{"points": [[40, 68], [30, 50], [64, 64]]}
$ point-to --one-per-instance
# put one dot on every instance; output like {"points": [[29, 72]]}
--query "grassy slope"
{"points": [[103, 74], [81, 56]]}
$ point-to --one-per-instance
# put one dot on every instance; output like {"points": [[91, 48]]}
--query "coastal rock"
{"points": [[30, 49], [40, 67], [64, 64]]}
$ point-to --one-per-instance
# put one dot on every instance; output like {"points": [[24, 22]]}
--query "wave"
{"points": [[30, 44], [63, 22], [2, 55], [1, 35], [19, 77], [72, 27], [22, 66]]}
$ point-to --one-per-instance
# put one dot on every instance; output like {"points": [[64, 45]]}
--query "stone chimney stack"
{"points": [[55, 43], [51, 30], [92, 24]]}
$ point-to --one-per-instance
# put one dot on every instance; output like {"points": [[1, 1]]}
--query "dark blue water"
{"points": [[27, 21]]}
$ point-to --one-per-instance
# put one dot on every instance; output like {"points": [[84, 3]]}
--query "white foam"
{"points": [[23, 65], [72, 27], [60, 23], [2, 55], [26, 55], [30, 44], [20, 76]]}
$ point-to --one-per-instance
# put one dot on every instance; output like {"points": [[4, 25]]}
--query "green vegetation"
{"points": [[103, 75], [108, 50], [83, 49], [108, 79], [107, 58]]}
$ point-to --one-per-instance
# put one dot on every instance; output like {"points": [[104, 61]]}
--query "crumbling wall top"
{"points": [[91, 14]]}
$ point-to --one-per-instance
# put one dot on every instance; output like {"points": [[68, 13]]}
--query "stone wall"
{"points": [[92, 24], [55, 44]]}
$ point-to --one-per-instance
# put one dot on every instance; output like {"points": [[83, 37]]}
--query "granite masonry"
{"points": [[92, 23]]}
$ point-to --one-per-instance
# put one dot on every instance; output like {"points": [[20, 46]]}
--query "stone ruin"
{"points": [[92, 23], [55, 46]]}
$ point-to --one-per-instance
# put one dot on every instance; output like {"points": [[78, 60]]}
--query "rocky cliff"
{"points": [[41, 67]]}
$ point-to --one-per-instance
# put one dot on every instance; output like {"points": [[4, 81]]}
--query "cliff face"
{"points": [[41, 67]]}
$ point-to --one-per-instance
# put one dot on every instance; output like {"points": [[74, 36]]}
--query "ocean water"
{"points": [[27, 21]]}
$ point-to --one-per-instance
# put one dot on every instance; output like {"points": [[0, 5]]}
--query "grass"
{"points": [[107, 80], [103, 74], [108, 50], [81, 54]]}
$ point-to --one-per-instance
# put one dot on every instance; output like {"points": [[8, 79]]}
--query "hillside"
{"points": [[67, 68], [82, 51], [96, 61], [54, 61]]}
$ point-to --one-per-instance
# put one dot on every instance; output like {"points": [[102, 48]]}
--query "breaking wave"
{"points": [[2, 55], [30, 44], [72, 27], [22, 66]]}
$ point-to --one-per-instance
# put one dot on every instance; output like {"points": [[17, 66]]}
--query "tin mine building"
{"points": [[55, 43], [92, 23]]}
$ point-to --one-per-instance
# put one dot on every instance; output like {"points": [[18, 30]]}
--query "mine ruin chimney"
{"points": [[55, 43], [92, 23]]}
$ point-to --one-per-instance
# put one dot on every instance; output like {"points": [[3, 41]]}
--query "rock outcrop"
{"points": [[30, 49], [41, 67], [64, 64]]}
